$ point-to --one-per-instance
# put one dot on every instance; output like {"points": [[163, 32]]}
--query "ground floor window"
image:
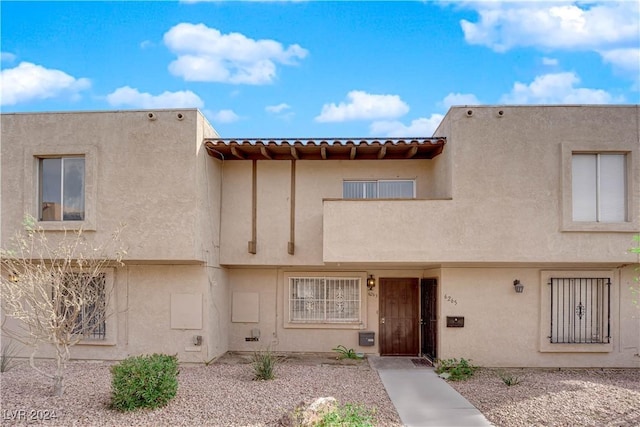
{"points": [[81, 302], [580, 310], [324, 299]]}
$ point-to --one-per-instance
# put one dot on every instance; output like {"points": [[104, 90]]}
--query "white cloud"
{"points": [[28, 82], [627, 59], [558, 88], [222, 116], [504, 25], [422, 127], [277, 109], [205, 54], [601, 27], [7, 57], [364, 106], [460, 99], [549, 61], [127, 96], [146, 44]]}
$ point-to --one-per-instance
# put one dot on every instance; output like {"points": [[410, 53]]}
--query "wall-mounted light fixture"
{"points": [[519, 286], [371, 282]]}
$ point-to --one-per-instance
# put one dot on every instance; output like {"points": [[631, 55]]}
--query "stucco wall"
{"points": [[153, 175], [143, 319], [140, 172], [502, 328], [511, 199], [507, 329], [315, 180], [278, 334]]}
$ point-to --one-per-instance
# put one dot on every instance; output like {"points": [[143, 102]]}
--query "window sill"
{"points": [[327, 325], [611, 227], [98, 343], [66, 225], [548, 347]]}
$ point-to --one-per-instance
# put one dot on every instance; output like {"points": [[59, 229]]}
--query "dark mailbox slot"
{"points": [[366, 338], [455, 322]]}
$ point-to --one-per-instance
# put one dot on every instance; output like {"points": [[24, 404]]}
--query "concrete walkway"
{"points": [[422, 398]]}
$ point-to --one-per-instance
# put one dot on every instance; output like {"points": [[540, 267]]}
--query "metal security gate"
{"points": [[429, 317], [580, 310]]}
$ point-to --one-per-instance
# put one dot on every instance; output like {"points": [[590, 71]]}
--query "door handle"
{"points": [[382, 320]]}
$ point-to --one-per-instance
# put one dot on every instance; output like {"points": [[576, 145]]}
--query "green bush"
{"points": [[264, 363], [346, 353], [508, 378], [455, 370], [144, 382], [348, 415]]}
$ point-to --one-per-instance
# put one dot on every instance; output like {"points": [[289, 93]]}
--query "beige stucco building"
{"points": [[387, 246]]}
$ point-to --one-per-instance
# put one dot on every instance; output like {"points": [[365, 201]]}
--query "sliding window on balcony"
{"points": [[379, 189]]}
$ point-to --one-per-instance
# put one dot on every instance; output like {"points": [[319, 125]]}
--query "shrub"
{"points": [[144, 382], [455, 370], [508, 379], [7, 356], [348, 415], [263, 363], [345, 353]]}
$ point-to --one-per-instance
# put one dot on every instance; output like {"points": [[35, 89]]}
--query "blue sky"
{"points": [[317, 69]]}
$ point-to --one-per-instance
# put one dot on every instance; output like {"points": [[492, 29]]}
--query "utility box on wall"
{"points": [[366, 338]]}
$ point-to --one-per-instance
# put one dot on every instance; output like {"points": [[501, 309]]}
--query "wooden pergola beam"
{"points": [[237, 153], [411, 152], [265, 153]]}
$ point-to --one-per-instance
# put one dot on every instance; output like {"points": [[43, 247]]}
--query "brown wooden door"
{"points": [[399, 317]]}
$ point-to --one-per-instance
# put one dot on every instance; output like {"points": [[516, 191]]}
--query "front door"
{"points": [[428, 317], [399, 317]]}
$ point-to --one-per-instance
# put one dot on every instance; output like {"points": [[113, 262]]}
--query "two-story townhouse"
{"points": [[503, 239]]}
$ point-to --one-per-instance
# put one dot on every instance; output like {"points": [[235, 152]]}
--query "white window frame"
{"points": [[377, 187], [632, 224], [337, 324], [595, 167], [31, 188]]}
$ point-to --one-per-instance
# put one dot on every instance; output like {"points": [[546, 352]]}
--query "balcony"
{"points": [[442, 231], [390, 231]]}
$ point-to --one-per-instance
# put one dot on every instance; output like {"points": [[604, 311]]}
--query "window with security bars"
{"points": [[380, 189], [81, 301], [580, 310], [324, 299]]}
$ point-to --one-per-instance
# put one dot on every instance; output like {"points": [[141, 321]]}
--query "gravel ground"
{"points": [[224, 394], [221, 394], [568, 397]]}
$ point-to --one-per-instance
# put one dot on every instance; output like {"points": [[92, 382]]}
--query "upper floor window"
{"points": [[62, 189], [380, 189], [599, 187]]}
